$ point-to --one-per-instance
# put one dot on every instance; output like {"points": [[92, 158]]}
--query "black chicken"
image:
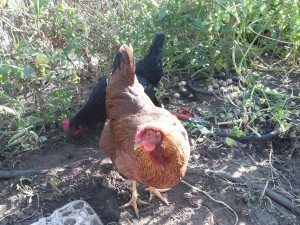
{"points": [[149, 72]]}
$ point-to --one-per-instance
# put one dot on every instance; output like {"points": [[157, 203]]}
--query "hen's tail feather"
{"points": [[124, 63]]}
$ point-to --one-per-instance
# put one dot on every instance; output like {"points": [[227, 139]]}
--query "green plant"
{"points": [[56, 191], [201, 37]]}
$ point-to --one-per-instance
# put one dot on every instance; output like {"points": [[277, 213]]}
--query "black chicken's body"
{"points": [[149, 72]]}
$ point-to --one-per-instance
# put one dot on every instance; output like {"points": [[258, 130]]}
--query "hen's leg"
{"points": [[153, 191], [134, 199]]}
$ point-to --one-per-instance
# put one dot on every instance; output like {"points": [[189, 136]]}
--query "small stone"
{"points": [[222, 115], [176, 95], [184, 90], [182, 83], [216, 85], [224, 84], [210, 90], [292, 104], [229, 81]]}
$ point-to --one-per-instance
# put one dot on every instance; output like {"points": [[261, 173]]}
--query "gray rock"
{"points": [[77, 212]]}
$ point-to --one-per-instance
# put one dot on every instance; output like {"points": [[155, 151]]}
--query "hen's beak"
{"points": [[137, 145]]}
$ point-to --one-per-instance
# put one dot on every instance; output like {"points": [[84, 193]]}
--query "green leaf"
{"points": [[219, 64], [34, 120], [17, 74], [4, 71], [263, 9], [230, 142], [162, 12], [295, 23], [27, 71], [20, 44]]}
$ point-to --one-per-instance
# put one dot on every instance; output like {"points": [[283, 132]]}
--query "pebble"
{"points": [[229, 81], [210, 90], [216, 86], [176, 95], [184, 90], [224, 84]]}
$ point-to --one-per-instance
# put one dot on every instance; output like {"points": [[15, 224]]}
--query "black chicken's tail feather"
{"points": [[156, 46], [150, 67]]}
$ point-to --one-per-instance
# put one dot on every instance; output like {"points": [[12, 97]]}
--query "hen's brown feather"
{"points": [[129, 109]]}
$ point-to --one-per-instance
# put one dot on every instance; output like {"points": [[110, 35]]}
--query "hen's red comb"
{"points": [[66, 124]]}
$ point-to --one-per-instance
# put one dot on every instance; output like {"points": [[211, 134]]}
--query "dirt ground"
{"points": [[77, 169]]}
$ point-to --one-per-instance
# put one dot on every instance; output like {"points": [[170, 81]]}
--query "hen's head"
{"points": [[66, 125], [147, 138]]}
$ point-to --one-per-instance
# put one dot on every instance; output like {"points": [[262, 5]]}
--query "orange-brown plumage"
{"points": [[132, 116]]}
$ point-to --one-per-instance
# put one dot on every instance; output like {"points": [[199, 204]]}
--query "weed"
{"points": [[56, 191]]}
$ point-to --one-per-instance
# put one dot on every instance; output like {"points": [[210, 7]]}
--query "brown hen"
{"points": [[146, 143]]}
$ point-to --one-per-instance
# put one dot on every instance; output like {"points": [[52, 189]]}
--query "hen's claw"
{"points": [[153, 191], [134, 200]]}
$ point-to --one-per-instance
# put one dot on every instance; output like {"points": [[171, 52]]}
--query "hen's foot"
{"points": [[134, 200], [153, 191]]}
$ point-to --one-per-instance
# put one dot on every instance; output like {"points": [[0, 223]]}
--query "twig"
{"points": [[25, 218], [230, 122], [253, 130], [270, 160], [273, 195], [213, 199], [263, 192], [18, 173]]}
